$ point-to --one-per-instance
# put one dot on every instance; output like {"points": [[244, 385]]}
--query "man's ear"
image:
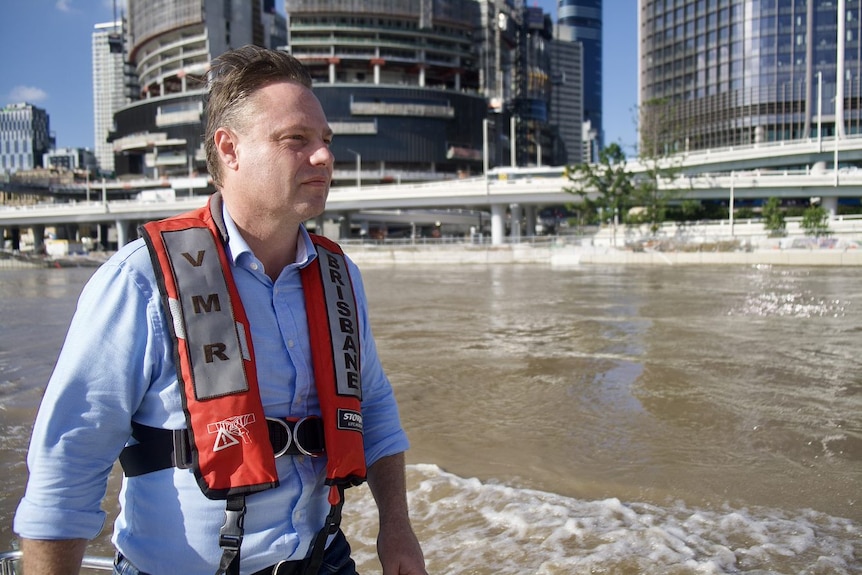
{"points": [[226, 145]]}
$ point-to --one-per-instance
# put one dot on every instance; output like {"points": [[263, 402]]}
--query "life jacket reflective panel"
{"points": [[229, 435], [336, 360]]}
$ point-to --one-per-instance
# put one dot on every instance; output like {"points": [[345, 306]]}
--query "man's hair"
{"points": [[232, 79]]}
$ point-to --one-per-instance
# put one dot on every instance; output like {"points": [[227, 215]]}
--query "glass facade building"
{"points": [[566, 102], [717, 73], [24, 137], [581, 21], [109, 88], [406, 84]]}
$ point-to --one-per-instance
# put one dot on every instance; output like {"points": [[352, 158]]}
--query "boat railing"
{"points": [[9, 560]]}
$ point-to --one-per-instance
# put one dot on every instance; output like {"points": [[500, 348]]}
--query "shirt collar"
{"points": [[237, 245]]}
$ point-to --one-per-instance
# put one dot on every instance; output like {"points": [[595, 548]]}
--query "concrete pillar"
{"points": [[498, 213], [331, 73], [530, 215], [830, 204], [38, 238], [515, 223], [344, 226], [122, 233], [103, 236], [15, 235], [330, 229]]}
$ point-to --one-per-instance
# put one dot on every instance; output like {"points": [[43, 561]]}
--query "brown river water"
{"points": [[586, 419]]}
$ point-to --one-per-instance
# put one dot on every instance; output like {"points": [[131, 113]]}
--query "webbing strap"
{"points": [[230, 535], [330, 526]]}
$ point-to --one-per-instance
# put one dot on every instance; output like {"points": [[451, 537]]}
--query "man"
{"points": [[137, 362]]}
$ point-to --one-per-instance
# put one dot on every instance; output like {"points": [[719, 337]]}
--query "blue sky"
{"points": [[46, 62]]}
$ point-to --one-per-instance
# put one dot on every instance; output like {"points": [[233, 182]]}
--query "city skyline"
{"points": [[55, 73]]}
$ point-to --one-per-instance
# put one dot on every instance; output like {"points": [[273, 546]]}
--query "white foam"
{"points": [[468, 526]]}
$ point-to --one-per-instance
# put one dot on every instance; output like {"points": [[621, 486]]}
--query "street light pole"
{"points": [[513, 149], [485, 148], [730, 214], [358, 168]]}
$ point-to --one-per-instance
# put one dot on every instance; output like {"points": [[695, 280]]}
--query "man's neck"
{"points": [[276, 249], [273, 242]]}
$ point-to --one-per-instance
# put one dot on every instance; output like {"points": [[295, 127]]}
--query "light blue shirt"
{"points": [[117, 365]]}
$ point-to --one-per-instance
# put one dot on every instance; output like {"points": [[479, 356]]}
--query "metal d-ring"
{"points": [[299, 446], [290, 436]]}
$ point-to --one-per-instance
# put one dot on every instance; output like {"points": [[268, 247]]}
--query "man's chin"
{"points": [[312, 210]]}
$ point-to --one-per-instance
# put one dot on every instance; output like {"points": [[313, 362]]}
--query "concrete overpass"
{"points": [[507, 193]]}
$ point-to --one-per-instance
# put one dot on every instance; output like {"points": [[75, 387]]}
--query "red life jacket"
{"points": [[229, 435]]}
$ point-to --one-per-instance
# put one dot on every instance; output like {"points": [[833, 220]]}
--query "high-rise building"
{"points": [[566, 103], [730, 72], [514, 53], [109, 93], [533, 88], [72, 159], [169, 44], [406, 84], [24, 137], [581, 21], [398, 80]]}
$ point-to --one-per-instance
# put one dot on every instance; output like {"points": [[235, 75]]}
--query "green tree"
{"points": [[691, 210], [773, 218], [653, 188], [605, 188], [815, 221]]}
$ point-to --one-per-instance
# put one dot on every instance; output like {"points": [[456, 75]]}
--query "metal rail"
{"points": [[10, 559]]}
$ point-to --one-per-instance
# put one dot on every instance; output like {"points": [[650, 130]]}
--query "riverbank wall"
{"points": [[554, 253], [573, 255]]}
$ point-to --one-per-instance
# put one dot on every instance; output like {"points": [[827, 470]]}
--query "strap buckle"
{"points": [[181, 456], [230, 534]]}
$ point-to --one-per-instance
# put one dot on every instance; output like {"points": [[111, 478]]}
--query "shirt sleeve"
{"points": [[107, 362], [383, 433]]}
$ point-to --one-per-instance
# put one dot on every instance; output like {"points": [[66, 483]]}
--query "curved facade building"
{"points": [[398, 80], [406, 84], [717, 73], [170, 44]]}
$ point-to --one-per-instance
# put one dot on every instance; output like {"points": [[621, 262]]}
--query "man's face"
{"points": [[283, 162]]}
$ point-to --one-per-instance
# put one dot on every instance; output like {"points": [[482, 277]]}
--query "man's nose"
{"points": [[323, 156]]}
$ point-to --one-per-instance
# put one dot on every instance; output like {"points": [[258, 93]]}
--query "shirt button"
{"points": [[253, 266], [290, 343]]}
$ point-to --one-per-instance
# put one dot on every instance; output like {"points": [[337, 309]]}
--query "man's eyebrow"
{"points": [[304, 129]]}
